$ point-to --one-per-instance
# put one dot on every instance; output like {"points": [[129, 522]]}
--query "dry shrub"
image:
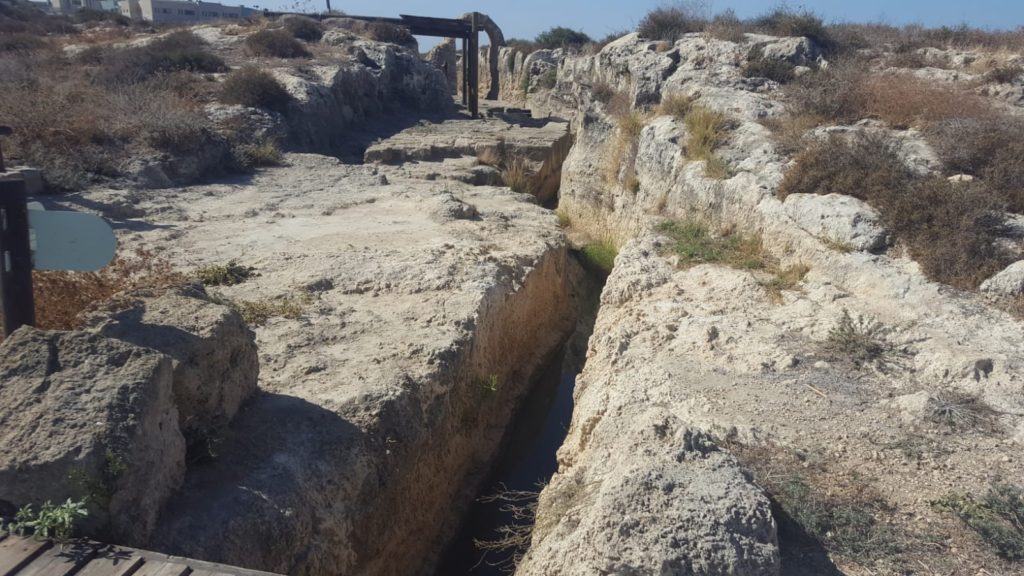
{"points": [[16, 17], [304, 28], [903, 101], [670, 23], [773, 69], [789, 131], [250, 86], [181, 50], [384, 32], [262, 153], [785, 21], [22, 42], [846, 92], [726, 26], [1004, 73], [706, 130], [988, 147], [276, 44], [829, 93], [603, 92], [61, 297], [675, 104], [949, 229], [490, 156]]}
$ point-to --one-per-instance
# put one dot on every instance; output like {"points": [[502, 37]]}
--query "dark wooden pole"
{"points": [[15, 257], [465, 71], [474, 68]]}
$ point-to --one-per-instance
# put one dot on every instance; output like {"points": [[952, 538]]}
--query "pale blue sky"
{"points": [[526, 18]]}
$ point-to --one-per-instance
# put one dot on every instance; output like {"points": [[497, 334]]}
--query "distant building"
{"points": [[72, 6], [179, 11]]}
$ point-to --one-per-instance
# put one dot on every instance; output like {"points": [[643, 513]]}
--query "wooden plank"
{"points": [[112, 561], [159, 568], [16, 552], [59, 561]]}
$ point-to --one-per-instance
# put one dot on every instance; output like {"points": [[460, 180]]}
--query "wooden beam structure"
{"points": [[464, 29]]}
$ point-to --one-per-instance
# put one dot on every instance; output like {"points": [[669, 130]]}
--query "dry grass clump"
{"points": [[676, 105], [603, 92], [706, 130], [622, 151], [275, 44], [962, 412], [259, 312], [949, 229], [250, 86], [517, 176], [225, 274], [904, 101], [22, 42], [259, 154], [513, 539], [785, 21], [1004, 73], [831, 93], [61, 297], [304, 28]]}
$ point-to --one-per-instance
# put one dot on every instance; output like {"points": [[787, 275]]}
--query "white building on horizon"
{"points": [[180, 11]]}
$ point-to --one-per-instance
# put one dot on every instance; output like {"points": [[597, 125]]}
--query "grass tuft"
{"points": [[600, 256], [694, 244], [225, 274], [706, 130], [997, 518]]}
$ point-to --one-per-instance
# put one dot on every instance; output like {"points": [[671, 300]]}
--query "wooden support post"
{"points": [[465, 71], [15, 257], [474, 68]]}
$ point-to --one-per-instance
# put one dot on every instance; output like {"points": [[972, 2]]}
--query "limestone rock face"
{"points": [[1009, 282], [93, 409], [839, 219], [215, 363], [652, 497]]}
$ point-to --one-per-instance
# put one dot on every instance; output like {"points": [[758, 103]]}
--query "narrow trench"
{"points": [[528, 458]]}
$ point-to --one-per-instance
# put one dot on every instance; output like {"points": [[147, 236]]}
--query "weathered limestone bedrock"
{"points": [[425, 307], [677, 354]]}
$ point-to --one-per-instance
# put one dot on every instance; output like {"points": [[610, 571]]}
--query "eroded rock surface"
{"points": [[82, 415]]}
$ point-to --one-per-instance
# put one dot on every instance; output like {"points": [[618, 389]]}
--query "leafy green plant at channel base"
{"points": [[600, 256], [225, 274], [490, 384], [52, 521], [998, 518]]}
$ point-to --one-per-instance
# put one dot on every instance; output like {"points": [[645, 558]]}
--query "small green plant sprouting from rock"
{"points": [[99, 491], [998, 518], [225, 274], [490, 384], [55, 521]]}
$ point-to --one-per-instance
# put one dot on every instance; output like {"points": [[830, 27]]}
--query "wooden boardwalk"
{"points": [[28, 557]]}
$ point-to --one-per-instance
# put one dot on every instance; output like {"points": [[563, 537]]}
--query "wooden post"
{"points": [[465, 71], [474, 68], [15, 257]]}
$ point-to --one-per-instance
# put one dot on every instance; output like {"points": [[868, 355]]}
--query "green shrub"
{"points": [[276, 44], [561, 37], [304, 28], [670, 23], [52, 521], [253, 87]]}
